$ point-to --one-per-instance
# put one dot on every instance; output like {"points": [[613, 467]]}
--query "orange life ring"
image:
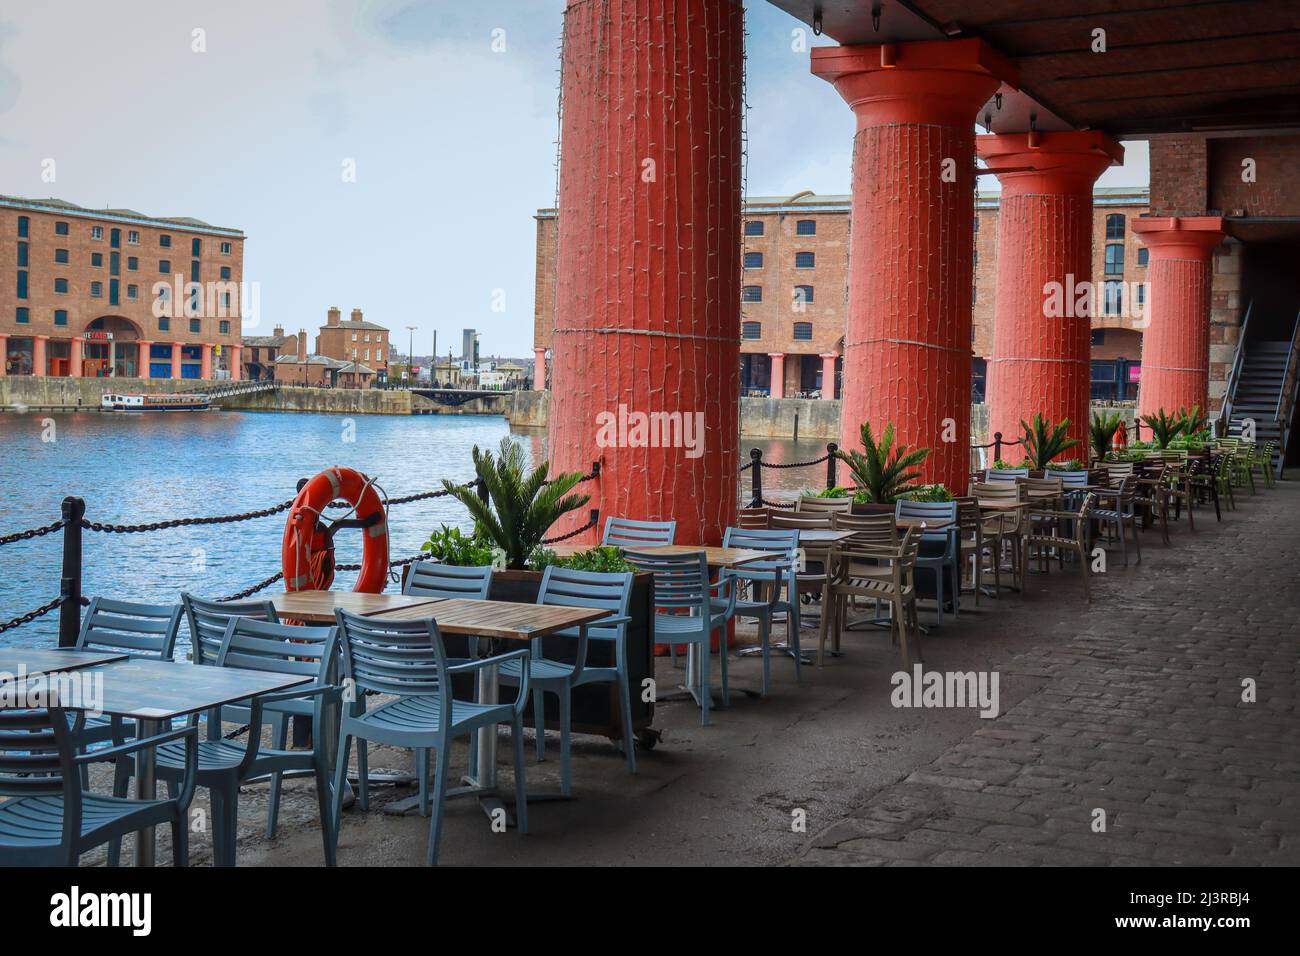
{"points": [[307, 555]]}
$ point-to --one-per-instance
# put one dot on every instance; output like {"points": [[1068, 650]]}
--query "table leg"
{"points": [[145, 789]]}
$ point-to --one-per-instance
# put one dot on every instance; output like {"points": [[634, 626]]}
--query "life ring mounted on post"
{"points": [[307, 553]]}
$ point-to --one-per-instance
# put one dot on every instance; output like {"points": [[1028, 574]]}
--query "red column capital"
{"points": [[1048, 163], [1180, 237]]}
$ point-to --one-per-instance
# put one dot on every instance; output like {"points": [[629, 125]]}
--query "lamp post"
{"points": [[410, 354]]}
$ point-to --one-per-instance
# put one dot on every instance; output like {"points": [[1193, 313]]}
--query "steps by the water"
{"points": [[1257, 394]]}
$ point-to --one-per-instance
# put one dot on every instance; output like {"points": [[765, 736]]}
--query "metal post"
{"points": [[756, 477], [997, 446], [831, 463], [74, 509]]}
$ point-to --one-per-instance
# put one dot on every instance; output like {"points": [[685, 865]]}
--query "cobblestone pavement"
{"points": [[1139, 714]]}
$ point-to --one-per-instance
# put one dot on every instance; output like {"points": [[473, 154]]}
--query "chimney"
{"points": [[333, 315], [278, 331], [302, 345], [356, 315]]}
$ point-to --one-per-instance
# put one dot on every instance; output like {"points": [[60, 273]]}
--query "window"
{"points": [[805, 260], [194, 270], [165, 266], [751, 330], [60, 228], [1098, 337], [196, 245], [1115, 226], [1144, 256], [805, 227], [803, 331], [367, 337], [1114, 298], [132, 264], [22, 255], [164, 323], [133, 292], [354, 336], [114, 291], [60, 286], [22, 285], [115, 238], [367, 355], [61, 255], [225, 248], [23, 315], [60, 316], [164, 294], [194, 325], [753, 260], [133, 237], [23, 224], [1115, 260], [225, 272], [751, 293], [1141, 289], [96, 290], [753, 227], [803, 294], [96, 258], [224, 327], [165, 241], [96, 232], [225, 300]]}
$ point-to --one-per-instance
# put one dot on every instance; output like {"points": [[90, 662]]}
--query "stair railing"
{"points": [[1234, 373], [1286, 395]]}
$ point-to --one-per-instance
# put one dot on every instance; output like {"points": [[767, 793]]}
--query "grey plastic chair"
{"points": [[944, 560], [1005, 474], [685, 612], [629, 533], [569, 588], [50, 819], [407, 660], [771, 574], [225, 764]]}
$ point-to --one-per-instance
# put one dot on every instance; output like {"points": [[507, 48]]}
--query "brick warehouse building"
{"points": [[78, 298], [794, 291], [354, 340]]}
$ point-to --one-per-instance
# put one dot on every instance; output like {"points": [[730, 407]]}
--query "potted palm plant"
{"points": [[1044, 441], [882, 473], [1102, 433], [1164, 427]]}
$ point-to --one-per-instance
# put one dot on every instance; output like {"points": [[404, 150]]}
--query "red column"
{"points": [[142, 363], [236, 362], [1041, 339], [539, 371], [75, 346], [828, 374], [907, 356], [205, 366], [4, 354], [38, 354], [776, 387], [1176, 343], [647, 317], [176, 360]]}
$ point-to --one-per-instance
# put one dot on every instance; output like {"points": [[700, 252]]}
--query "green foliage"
{"points": [[931, 493], [837, 492], [882, 473], [1164, 427], [1073, 464], [604, 558], [1102, 432], [1044, 441], [453, 546], [1194, 420], [522, 506]]}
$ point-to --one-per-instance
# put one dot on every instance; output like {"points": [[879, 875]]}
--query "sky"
{"points": [[254, 115]]}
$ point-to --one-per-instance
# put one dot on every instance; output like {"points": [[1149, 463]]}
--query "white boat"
{"points": [[114, 402]]}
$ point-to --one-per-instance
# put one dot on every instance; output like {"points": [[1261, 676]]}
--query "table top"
{"points": [[824, 535], [159, 690], [930, 523], [318, 607], [1001, 504], [508, 619], [19, 663], [715, 556]]}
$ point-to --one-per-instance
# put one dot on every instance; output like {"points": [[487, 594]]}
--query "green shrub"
{"points": [[931, 493], [604, 559], [453, 546], [882, 474]]}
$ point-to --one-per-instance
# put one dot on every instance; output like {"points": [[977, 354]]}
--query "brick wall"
{"points": [[1276, 187], [1179, 176]]}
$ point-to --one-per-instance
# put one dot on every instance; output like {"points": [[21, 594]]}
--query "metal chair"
{"points": [[813, 505], [1120, 515], [406, 659], [752, 518], [768, 576], [1005, 474], [685, 613], [891, 578], [945, 559], [51, 819], [569, 588], [1047, 534], [225, 764], [628, 533], [1001, 528]]}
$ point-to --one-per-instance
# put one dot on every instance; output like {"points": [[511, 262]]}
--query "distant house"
{"points": [[261, 352], [354, 340]]}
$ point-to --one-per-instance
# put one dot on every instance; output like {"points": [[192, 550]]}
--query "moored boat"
{"points": [[116, 402]]}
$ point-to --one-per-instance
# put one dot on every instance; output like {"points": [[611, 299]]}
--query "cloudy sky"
{"points": [[453, 142]]}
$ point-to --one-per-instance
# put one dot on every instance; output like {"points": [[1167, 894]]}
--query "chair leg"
{"points": [[439, 792], [121, 779], [706, 697], [539, 718], [363, 774], [180, 841], [566, 768], [422, 777], [823, 626], [340, 778], [764, 629], [280, 736], [722, 663], [629, 742], [225, 824], [324, 803], [521, 782], [1084, 570], [939, 573], [672, 655], [792, 638]]}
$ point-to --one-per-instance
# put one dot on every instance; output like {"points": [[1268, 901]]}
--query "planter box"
{"points": [[596, 708], [871, 508]]}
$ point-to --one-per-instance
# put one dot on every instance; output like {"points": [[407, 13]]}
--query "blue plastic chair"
{"points": [[407, 660], [685, 612], [225, 764], [944, 560], [569, 588], [629, 533], [770, 574], [1005, 474], [51, 819]]}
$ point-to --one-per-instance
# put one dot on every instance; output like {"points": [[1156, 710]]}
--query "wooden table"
{"points": [[823, 536], [928, 523], [318, 607], [507, 620], [151, 692], [715, 557], [22, 663]]}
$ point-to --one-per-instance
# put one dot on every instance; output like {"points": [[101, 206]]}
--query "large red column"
{"points": [[39, 351], [907, 356], [828, 374], [776, 383], [1041, 339], [75, 347], [142, 369], [176, 360], [1176, 343], [647, 317], [539, 370]]}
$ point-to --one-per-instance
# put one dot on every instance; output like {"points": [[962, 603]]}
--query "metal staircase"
{"points": [[1262, 389]]}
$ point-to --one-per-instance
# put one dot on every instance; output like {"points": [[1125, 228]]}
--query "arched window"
{"points": [[1115, 227], [753, 260], [751, 330], [805, 227], [803, 294], [803, 331], [805, 260], [751, 293], [753, 227]]}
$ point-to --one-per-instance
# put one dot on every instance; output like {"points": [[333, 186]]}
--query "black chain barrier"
{"points": [[31, 615], [574, 533], [32, 533], [794, 464]]}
